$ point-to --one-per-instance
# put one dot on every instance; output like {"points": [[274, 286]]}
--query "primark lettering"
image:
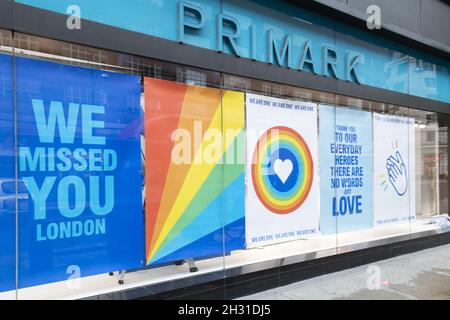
{"points": [[191, 19]]}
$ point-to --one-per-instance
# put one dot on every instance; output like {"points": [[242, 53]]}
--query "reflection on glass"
{"points": [[7, 181], [186, 141]]}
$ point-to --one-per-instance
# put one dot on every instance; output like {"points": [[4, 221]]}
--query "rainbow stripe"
{"points": [[192, 206], [285, 144]]}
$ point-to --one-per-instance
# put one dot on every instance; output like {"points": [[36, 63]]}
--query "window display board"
{"points": [[79, 163], [282, 197], [194, 179], [394, 169], [346, 197], [7, 180]]}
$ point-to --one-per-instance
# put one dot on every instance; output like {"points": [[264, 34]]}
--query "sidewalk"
{"points": [[420, 275]]}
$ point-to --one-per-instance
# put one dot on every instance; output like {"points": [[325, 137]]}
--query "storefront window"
{"points": [[431, 147], [134, 172]]}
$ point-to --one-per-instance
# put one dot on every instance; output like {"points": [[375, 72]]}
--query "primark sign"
{"points": [[271, 45]]}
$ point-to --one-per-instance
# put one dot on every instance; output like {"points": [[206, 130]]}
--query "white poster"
{"points": [[282, 181], [394, 169]]}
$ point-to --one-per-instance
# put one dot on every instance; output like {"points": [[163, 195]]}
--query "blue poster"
{"points": [[79, 162], [346, 199], [7, 182]]}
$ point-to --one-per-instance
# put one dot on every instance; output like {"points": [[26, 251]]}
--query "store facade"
{"points": [[196, 148]]}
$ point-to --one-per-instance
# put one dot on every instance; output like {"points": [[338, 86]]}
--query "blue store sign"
{"points": [[274, 32]]}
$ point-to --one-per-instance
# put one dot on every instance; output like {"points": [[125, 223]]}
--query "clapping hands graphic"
{"points": [[398, 176]]}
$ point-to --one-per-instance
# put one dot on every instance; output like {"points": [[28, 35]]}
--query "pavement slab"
{"points": [[422, 275]]}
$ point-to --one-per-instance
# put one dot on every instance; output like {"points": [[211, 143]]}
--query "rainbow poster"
{"points": [[194, 163], [282, 195]]}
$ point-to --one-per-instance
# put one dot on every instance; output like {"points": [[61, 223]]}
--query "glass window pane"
{"points": [[431, 147], [8, 212], [163, 172]]}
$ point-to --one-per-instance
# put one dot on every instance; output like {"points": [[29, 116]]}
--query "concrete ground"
{"points": [[420, 275]]}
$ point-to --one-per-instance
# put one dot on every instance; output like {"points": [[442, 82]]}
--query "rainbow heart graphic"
{"points": [[282, 170]]}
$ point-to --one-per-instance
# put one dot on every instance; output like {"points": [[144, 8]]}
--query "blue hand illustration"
{"points": [[398, 176]]}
